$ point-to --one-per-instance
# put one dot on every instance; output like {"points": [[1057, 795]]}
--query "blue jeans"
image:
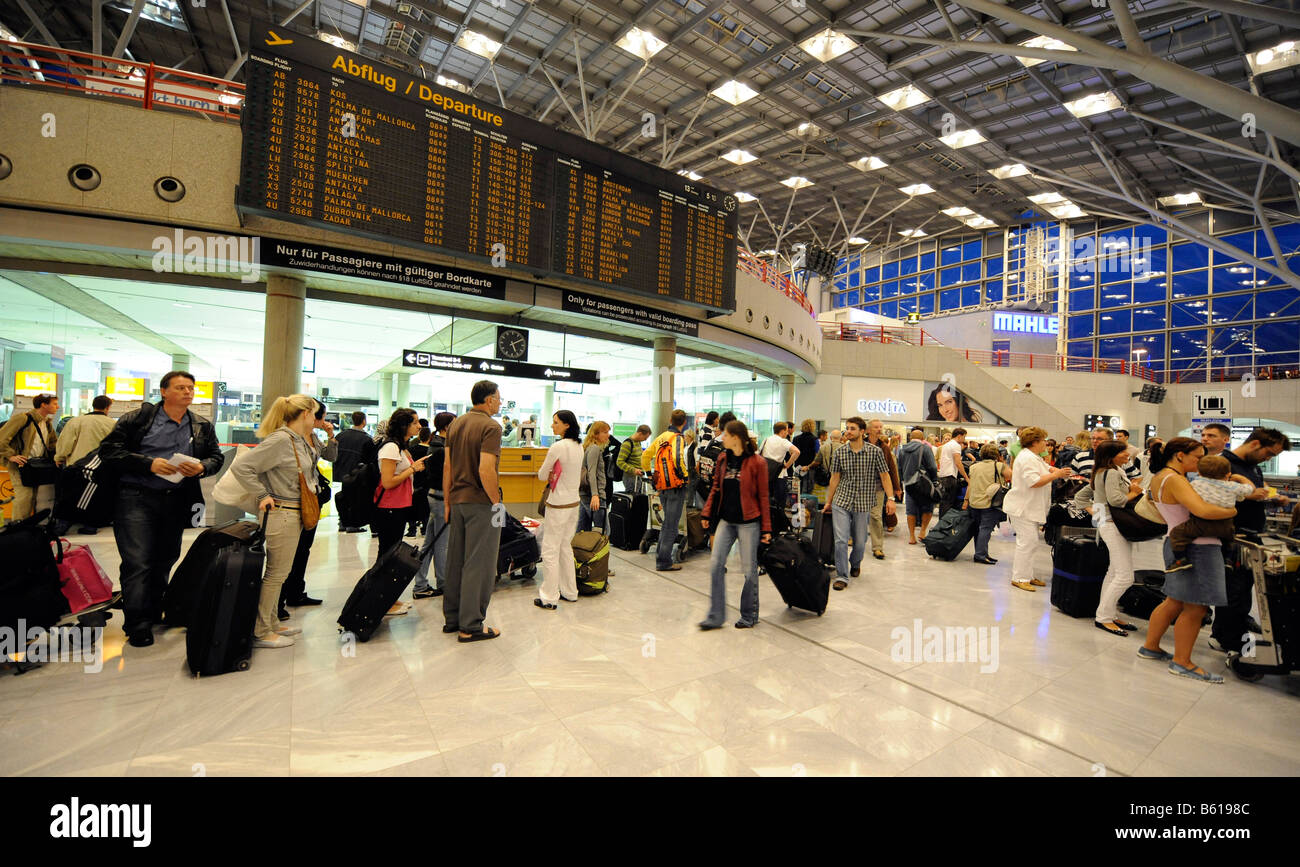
{"points": [[807, 482], [847, 523], [985, 521], [672, 500], [726, 535], [589, 520], [431, 551], [147, 526]]}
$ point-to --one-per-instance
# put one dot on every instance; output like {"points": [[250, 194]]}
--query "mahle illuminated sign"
{"points": [[1026, 323]]}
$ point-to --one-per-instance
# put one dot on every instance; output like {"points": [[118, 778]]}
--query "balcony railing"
{"points": [[150, 86], [764, 271], [912, 335]]}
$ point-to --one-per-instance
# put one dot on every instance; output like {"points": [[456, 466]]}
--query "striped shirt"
{"points": [[859, 476], [1083, 463]]}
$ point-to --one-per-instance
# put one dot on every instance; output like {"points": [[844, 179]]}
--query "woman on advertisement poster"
{"points": [[948, 404]]}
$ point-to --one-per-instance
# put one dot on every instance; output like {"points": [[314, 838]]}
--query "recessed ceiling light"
{"points": [[904, 97], [962, 138], [734, 92], [688, 173], [336, 41], [739, 157], [1096, 103], [1192, 198], [746, 197], [868, 164], [1047, 198], [476, 43], [183, 305], [1043, 42], [641, 43], [913, 233], [451, 83], [1280, 56], [916, 190], [855, 240], [1239, 270], [807, 129], [957, 212], [1012, 170], [828, 45], [979, 222], [1066, 211], [796, 182]]}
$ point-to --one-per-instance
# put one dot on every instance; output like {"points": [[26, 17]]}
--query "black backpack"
{"points": [[433, 465], [359, 488], [612, 470], [708, 463], [86, 492]]}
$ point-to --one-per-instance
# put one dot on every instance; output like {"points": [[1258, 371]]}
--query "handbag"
{"points": [[308, 504], [38, 471], [1134, 527], [1000, 495], [84, 582]]}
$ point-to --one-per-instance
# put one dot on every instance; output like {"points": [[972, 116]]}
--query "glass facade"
{"points": [[1131, 292]]}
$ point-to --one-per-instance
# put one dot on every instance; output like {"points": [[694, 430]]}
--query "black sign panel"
{"points": [[634, 314], [493, 367], [373, 266], [334, 140]]}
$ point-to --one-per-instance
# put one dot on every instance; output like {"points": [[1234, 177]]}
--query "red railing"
{"points": [[1234, 373], [150, 86], [764, 271], [914, 335]]}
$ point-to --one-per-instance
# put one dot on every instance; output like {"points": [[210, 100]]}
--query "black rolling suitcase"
{"points": [[951, 535], [519, 551], [183, 589], [823, 537], [629, 514], [1079, 564], [378, 589], [29, 576], [219, 637], [796, 570]]}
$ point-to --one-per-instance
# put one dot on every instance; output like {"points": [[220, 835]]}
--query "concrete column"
{"points": [[286, 302], [106, 370], [403, 389], [386, 405], [548, 410], [181, 360], [787, 398], [662, 377]]}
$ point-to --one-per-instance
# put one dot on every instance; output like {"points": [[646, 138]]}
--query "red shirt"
{"points": [[753, 491]]}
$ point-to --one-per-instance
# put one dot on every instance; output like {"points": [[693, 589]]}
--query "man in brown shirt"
{"points": [[472, 497]]}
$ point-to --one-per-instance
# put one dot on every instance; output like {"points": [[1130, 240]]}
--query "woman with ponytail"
{"points": [[1190, 592], [271, 472]]}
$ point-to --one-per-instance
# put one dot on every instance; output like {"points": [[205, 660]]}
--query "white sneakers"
{"points": [[288, 630], [278, 639]]}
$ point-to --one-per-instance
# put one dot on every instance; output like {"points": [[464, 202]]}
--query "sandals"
{"points": [[398, 608], [1158, 655], [1113, 629], [483, 635], [549, 606], [1194, 673]]}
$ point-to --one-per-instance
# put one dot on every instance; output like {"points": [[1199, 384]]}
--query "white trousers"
{"points": [[1022, 567], [558, 575], [1119, 577]]}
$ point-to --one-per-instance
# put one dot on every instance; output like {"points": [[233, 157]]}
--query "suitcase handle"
{"points": [[259, 544]]}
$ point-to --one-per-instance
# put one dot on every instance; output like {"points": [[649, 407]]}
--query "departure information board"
{"points": [[334, 140]]}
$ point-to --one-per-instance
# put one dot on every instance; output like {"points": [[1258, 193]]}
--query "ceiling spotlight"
{"points": [[913, 233], [1043, 42], [336, 41], [1096, 103], [1192, 198], [962, 138], [858, 242], [477, 43], [1280, 56], [641, 43], [795, 182], [687, 173], [868, 164], [957, 212], [451, 83], [828, 45], [904, 97], [1066, 210], [916, 190], [1012, 170], [739, 157], [978, 222], [1047, 198], [746, 197], [734, 92]]}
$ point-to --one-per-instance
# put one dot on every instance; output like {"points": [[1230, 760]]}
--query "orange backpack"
{"points": [[667, 473]]}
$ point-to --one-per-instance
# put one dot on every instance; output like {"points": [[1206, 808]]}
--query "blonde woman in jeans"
{"points": [[1027, 502], [271, 472]]}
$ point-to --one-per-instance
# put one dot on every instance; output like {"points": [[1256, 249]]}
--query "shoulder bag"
{"points": [[1132, 526], [35, 472], [307, 501], [1000, 495]]}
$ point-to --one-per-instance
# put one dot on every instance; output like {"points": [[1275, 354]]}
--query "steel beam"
{"points": [[128, 29]]}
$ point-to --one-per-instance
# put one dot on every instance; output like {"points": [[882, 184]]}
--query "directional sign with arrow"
{"points": [[517, 369]]}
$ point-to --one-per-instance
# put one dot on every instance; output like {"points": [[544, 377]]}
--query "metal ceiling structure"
{"points": [[1178, 71]]}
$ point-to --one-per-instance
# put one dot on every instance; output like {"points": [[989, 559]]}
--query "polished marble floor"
{"points": [[626, 684]]}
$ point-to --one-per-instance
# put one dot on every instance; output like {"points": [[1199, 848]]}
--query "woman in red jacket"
{"points": [[738, 508]]}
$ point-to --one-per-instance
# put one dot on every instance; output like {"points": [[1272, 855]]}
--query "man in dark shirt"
{"points": [[355, 447], [1231, 620], [472, 507], [153, 511]]}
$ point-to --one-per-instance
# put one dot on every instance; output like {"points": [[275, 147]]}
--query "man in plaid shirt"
{"points": [[859, 481]]}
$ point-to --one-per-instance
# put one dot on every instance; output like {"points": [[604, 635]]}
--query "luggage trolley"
{"points": [[1274, 563]]}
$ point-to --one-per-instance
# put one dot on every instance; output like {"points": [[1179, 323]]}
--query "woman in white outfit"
{"points": [[1112, 490], [564, 458], [1027, 502]]}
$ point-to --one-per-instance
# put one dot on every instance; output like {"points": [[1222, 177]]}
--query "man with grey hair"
{"points": [[1084, 460]]}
